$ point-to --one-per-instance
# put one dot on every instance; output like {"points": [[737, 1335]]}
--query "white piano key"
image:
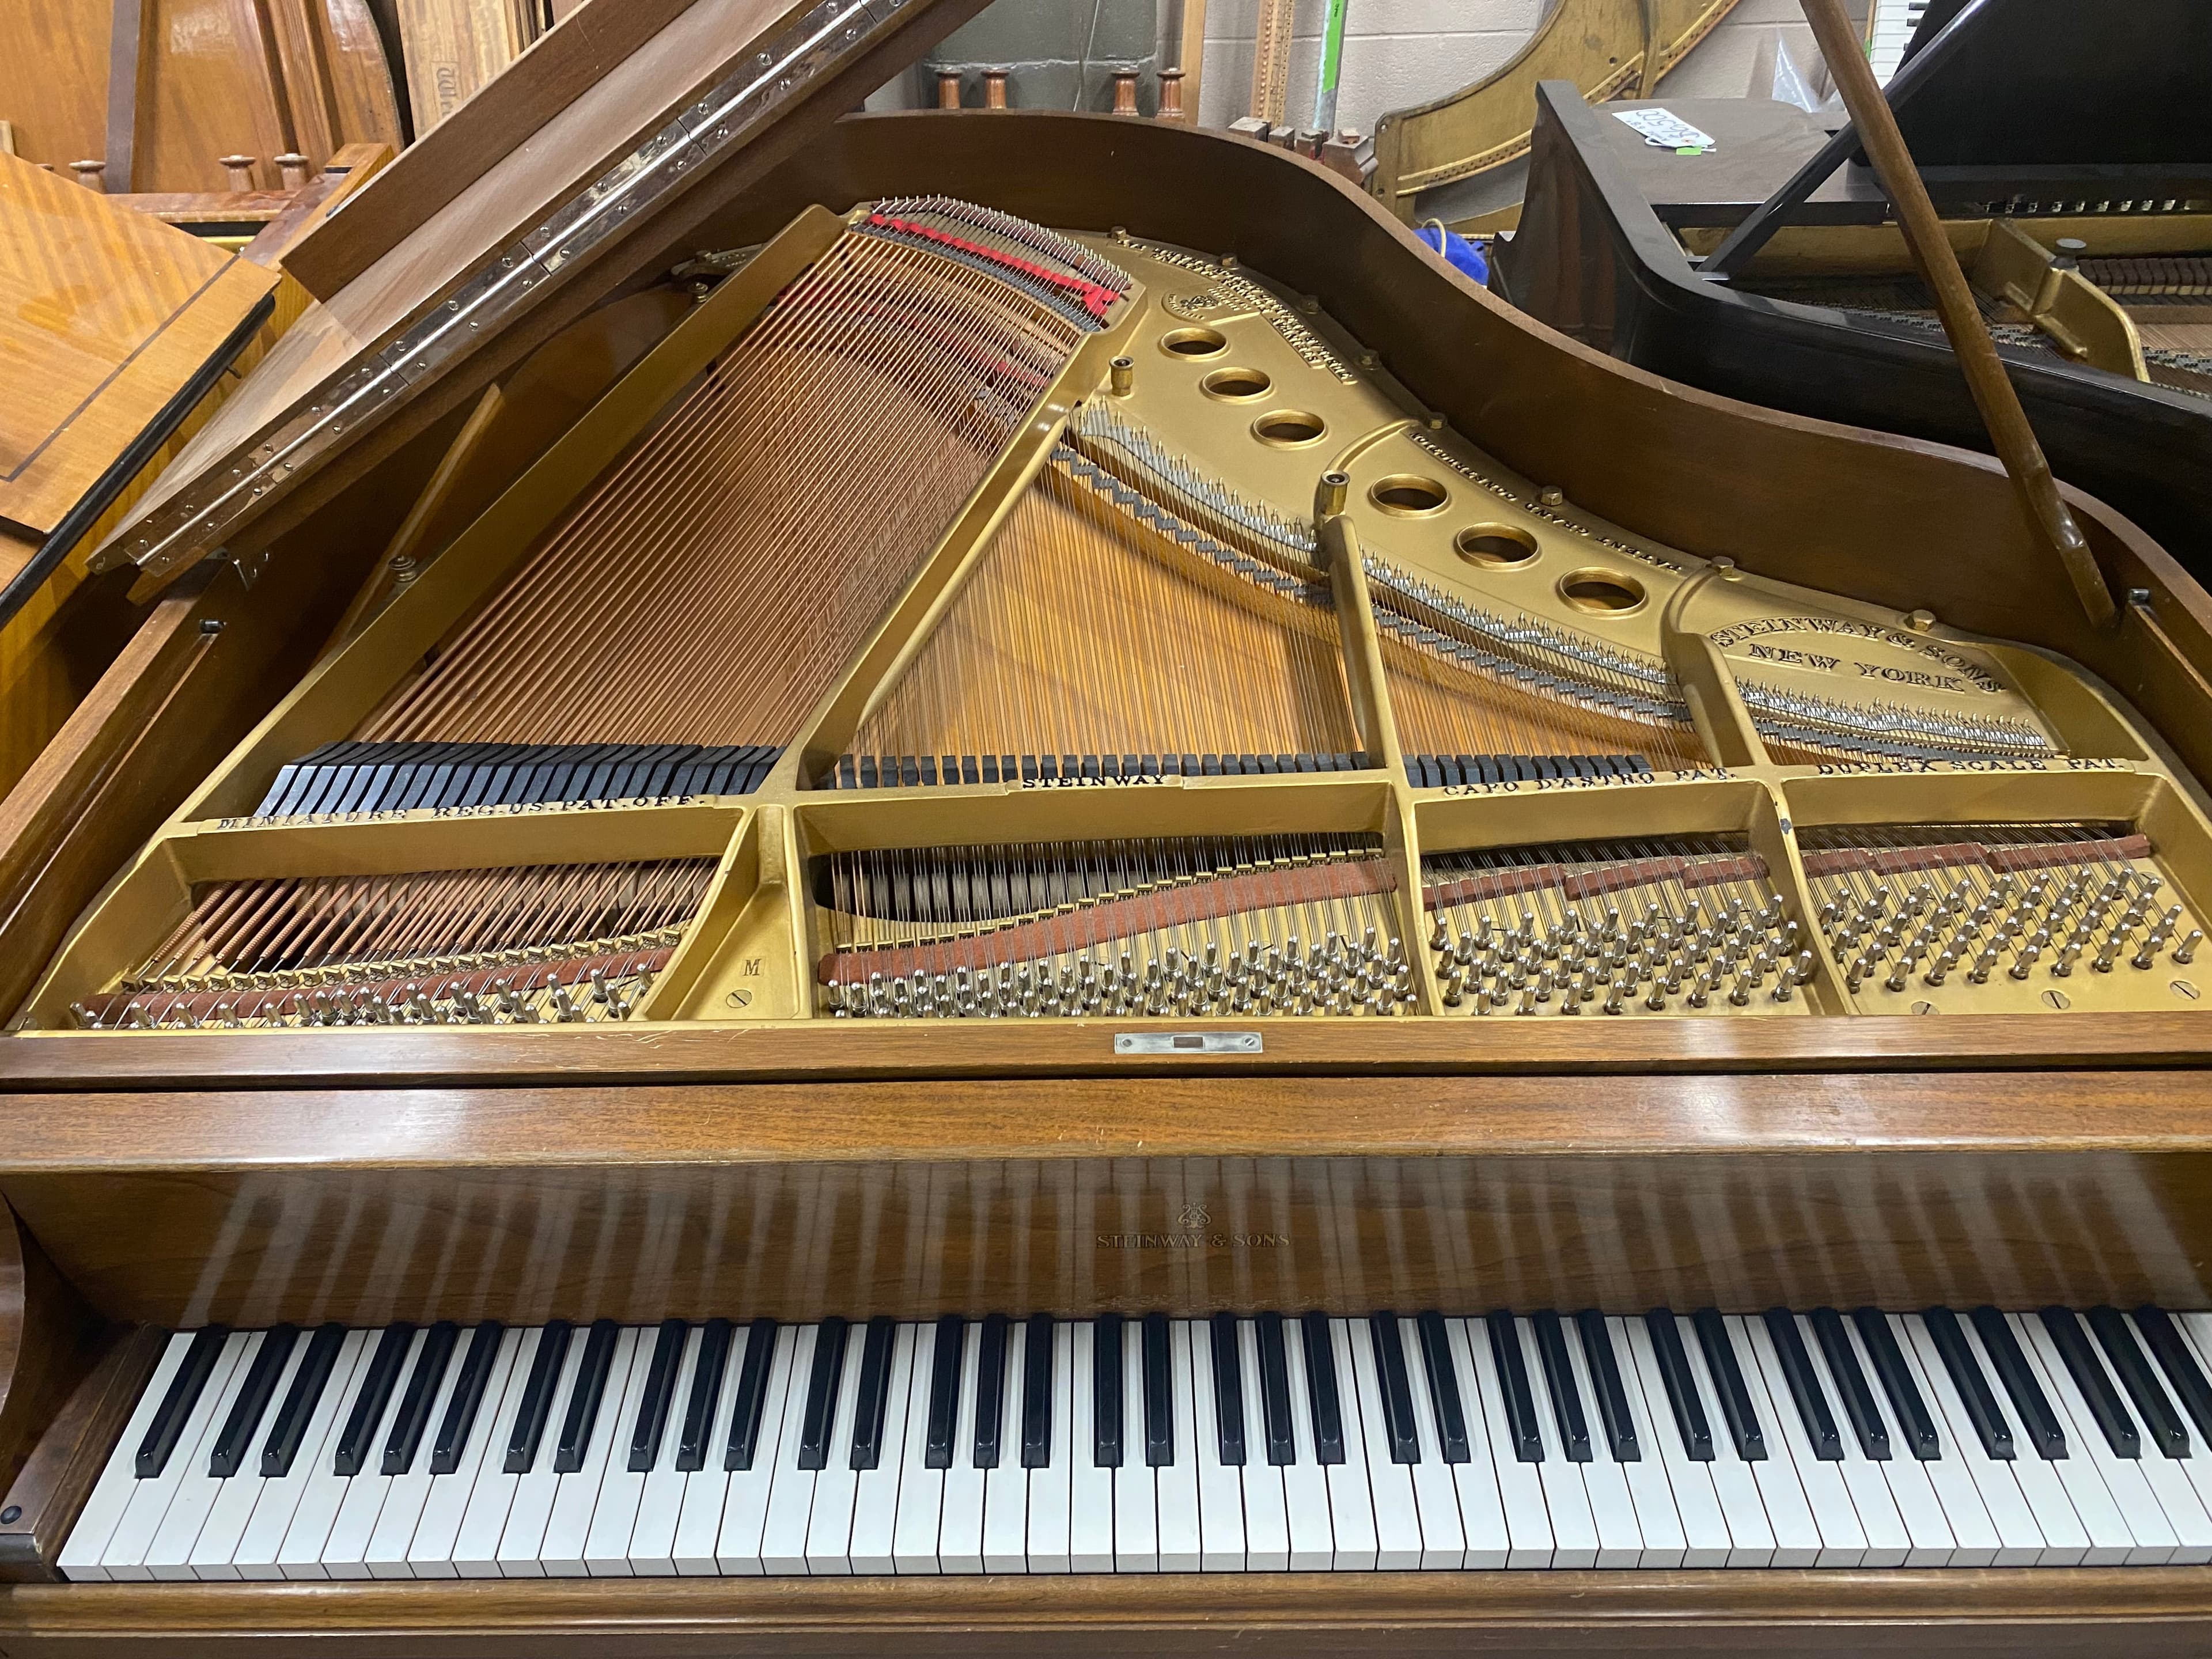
{"points": [[1706, 1539], [1575, 1539], [1220, 1485], [876, 1496], [791, 1489], [2197, 1466], [1528, 1541], [437, 1536], [1888, 1541], [1180, 1541], [1735, 1482], [530, 1508], [2072, 1507], [396, 1522], [830, 1524], [345, 1552], [1266, 1517], [960, 1526], [80, 1560], [256, 1556], [1650, 1483], [1090, 1488], [1397, 1521], [1310, 1500], [1436, 1492], [1051, 1540], [698, 1524], [1843, 1539], [1006, 1486], [2156, 1542], [1620, 1538], [299, 1552], [1136, 1483], [236, 1497], [474, 1553], [741, 1543], [1781, 1500], [569, 1529], [2019, 1538], [1975, 1536], [1481, 1510], [651, 1549], [921, 1489], [1929, 1541], [138, 1535], [613, 1514]]}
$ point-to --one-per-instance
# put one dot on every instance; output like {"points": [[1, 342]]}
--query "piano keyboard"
{"points": [[1157, 1445], [1895, 20]]}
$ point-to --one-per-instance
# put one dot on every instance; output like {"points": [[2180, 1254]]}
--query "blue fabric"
{"points": [[1460, 254]]}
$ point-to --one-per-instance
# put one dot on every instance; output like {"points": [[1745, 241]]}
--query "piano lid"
{"points": [[2057, 84], [580, 169]]}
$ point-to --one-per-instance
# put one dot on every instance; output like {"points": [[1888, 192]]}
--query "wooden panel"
{"points": [[107, 312], [59, 114], [1991, 1611], [49, 1493], [454, 48], [48, 1341], [215, 91], [921, 1197]]}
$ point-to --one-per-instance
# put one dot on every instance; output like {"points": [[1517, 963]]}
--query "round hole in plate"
{"points": [[1602, 593], [1495, 546], [1408, 494], [1236, 385], [1194, 343], [1289, 429]]}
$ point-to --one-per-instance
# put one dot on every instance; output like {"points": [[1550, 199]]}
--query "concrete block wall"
{"points": [[1398, 52]]}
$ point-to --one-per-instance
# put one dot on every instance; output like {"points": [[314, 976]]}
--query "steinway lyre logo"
{"points": [[1194, 1231]]}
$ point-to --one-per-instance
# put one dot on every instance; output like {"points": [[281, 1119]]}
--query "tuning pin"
{"points": [[2187, 948]]}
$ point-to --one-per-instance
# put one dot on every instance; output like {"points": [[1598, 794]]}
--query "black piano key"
{"points": [[369, 1403], [421, 1393], [1275, 1409], [1990, 1426], [752, 1396], [1850, 1381], [1106, 1391], [874, 1403], [308, 1382], [1728, 1377], [659, 1390], [467, 1398], [587, 1397], [2089, 1376], [1036, 1394], [531, 1417], [1559, 1380], [1396, 1387], [185, 1391], [1159, 1404], [1520, 1401], [1605, 1379], [253, 1400], [943, 1392], [2180, 1365], [2155, 1410], [1443, 1387], [990, 1389], [1812, 1401], [1690, 1419], [1897, 1382], [2037, 1415], [699, 1404], [1323, 1396], [822, 1381], [1228, 1388]]}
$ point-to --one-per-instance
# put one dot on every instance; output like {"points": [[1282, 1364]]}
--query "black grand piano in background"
{"points": [[2069, 148]]}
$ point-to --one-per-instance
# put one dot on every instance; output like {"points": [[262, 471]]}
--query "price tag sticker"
{"points": [[1665, 129]]}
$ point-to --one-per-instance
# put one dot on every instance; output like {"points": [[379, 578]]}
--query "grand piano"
{"points": [[1073, 919], [2070, 157]]}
